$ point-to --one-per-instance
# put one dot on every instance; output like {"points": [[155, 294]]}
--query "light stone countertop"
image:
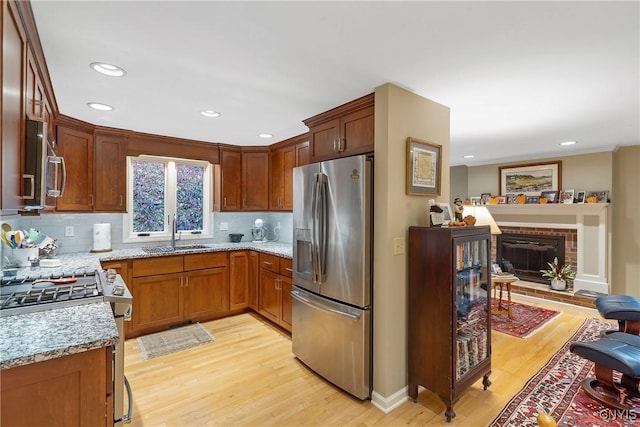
{"points": [[33, 337]]}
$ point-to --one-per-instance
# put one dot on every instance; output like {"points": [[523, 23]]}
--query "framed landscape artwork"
{"points": [[530, 179], [423, 167]]}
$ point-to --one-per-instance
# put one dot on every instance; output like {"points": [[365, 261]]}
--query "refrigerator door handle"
{"points": [[323, 184], [320, 306], [314, 230]]}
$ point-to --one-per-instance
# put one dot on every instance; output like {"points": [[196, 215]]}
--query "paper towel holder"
{"points": [[101, 243]]}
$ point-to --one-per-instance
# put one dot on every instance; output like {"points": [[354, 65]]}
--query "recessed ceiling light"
{"points": [[265, 135], [469, 156], [568, 143], [99, 106], [108, 69], [210, 113]]}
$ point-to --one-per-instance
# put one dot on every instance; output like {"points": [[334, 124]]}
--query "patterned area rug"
{"points": [[173, 340], [556, 390], [526, 320]]}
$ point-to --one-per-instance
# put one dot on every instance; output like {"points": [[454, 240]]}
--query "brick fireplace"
{"points": [[528, 249], [585, 230]]}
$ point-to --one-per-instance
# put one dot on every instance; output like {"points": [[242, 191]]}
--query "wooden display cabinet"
{"points": [[449, 330]]}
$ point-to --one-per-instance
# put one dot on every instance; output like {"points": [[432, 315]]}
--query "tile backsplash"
{"points": [[279, 226]]}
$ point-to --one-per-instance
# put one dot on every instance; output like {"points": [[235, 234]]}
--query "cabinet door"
{"points": [[323, 140], [12, 128], [288, 163], [255, 181], [254, 279], [269, 299], [230, 183], [286, 314], [206, 293], [70, 390], [282, 163], [157, 301], [357, 132], [110, 173], [276, 186], [302, 153], [76, 146], [35, 98], [239, 280]]}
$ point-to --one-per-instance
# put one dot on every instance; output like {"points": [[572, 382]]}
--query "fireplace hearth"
{"points": [[526, 254]]}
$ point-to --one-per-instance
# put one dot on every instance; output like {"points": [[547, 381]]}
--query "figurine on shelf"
{"points": [[458, 209]]}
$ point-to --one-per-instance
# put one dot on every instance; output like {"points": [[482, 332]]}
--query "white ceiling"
{"points": [[519, 77]]}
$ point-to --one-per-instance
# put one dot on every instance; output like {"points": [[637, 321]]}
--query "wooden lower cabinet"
{"points": [[190, 287], [73, 390], [238, 280], [174, 289], [254, 279], [274, 300]]}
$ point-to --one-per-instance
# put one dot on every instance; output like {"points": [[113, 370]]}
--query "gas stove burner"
{"points": [[12, 281]]}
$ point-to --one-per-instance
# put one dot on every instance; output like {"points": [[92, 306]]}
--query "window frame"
{"points": [[128, 236]]}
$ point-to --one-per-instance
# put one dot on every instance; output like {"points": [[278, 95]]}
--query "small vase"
{"points": [[558, 284]]}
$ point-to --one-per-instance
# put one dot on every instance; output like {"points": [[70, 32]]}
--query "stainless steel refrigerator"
{"points": [[332, 275]]}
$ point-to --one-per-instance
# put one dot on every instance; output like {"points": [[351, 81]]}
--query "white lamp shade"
{"points": [[483, 217]]}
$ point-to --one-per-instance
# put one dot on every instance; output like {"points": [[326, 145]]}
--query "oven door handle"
{"points": [[126, 418]]}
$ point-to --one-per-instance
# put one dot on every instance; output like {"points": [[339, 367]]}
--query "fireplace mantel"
{"points": [[590, 220]]}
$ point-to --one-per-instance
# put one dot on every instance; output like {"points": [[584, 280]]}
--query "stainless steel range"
{"points": [[45, 292]]}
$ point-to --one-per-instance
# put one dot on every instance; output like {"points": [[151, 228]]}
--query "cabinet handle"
{"points": [[340, 149], [121, 200], [224, 202], [186, 282], [267, 262], [90, 199], [334, 146], [289, 269]]}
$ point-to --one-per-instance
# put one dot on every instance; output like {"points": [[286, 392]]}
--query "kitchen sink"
{"points": [[169, 249], [189, 247]]}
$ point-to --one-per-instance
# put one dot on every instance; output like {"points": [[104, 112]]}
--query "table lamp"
{"points": [[482, 216]]}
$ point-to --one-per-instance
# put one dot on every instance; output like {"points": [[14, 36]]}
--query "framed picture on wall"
{"points": [[530, 179], [423, 167]]}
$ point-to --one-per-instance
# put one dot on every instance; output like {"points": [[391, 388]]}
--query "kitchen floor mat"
{"points": [[173, 340]]}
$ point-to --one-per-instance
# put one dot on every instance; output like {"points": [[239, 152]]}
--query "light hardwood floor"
{"points": [[249, 377]]}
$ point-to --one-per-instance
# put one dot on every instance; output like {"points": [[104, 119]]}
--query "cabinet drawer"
{"points": [[161, 265], [270, 262], [206, 260], [286, 267]]}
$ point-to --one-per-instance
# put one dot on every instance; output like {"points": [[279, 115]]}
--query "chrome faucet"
{"points": [[174, 230]]}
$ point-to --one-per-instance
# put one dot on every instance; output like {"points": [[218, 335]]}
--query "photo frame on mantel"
{"points": [[424, 164]]}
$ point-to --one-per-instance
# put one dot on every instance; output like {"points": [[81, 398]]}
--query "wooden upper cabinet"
{"points": [[347, 130], [283, 161], [76, 147], [12, 127], [255, 181], [302, 153], [110, 172], [244, 181], [230, 183], [286, 155], [35, 97]]}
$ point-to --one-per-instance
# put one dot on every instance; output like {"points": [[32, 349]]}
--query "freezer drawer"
{"points": [[334, 340]]}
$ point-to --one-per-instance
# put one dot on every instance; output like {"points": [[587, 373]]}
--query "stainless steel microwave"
{"points": [[44, 172]]}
